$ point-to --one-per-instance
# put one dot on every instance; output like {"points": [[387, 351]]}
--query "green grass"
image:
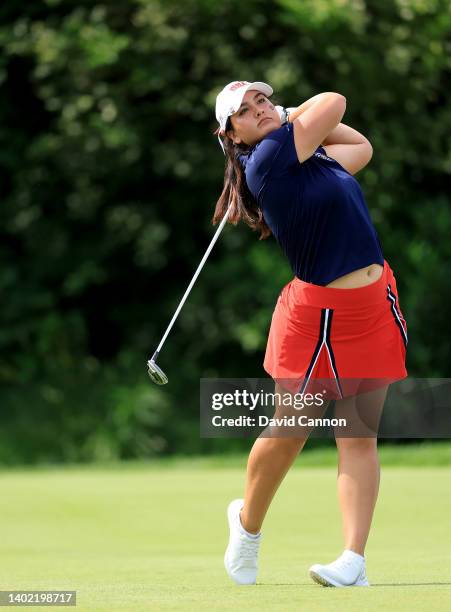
{"points": [[152, 536]]}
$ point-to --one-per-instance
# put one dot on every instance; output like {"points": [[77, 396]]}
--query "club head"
{"points": [[156, 373]]}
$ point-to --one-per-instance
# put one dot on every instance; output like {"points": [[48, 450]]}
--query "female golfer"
{"points": [[338, 320]]}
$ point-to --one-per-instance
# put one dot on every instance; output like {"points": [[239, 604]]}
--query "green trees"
{"points": [[109, 176]]}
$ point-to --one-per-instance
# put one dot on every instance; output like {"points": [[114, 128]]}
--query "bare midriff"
{"points": [[358, 278]]}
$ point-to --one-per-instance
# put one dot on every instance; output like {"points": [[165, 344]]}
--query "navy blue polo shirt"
{"points": [[315, 209]]}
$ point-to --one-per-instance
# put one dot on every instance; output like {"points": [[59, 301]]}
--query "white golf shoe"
{"points": [[240, 559], [347, 570]]}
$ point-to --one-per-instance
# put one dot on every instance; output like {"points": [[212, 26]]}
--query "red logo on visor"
{"points": [[237, 85]]}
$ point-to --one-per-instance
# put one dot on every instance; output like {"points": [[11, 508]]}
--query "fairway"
{"points": [[152, 537]]}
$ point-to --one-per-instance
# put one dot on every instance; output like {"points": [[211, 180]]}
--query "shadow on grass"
{"points": [[395, 584], [373, 584]]}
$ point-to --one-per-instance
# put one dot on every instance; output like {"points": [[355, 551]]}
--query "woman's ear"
{"points": [[235, 139]]}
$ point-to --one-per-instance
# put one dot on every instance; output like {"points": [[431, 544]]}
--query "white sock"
{"points": [[253, 536], [350, 554]]}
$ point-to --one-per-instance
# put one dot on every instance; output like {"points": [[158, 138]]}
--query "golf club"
{"points": [[155, 372]]}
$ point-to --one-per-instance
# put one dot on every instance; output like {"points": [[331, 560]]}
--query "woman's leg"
{"points": [[358, 467], [269, 461]]}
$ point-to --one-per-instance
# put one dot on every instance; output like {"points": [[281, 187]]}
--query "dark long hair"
{"points": [[236, 193]]}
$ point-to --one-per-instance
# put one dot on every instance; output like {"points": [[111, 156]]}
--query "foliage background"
{"points": [[109, 177]]}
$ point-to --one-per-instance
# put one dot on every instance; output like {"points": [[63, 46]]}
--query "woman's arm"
{"points": [[350, 148], [344, 134], [353, 157], [341, 134], [296, 112], [314, 120], [343, 143]]}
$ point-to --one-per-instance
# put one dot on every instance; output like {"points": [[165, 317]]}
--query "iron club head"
{"points": [[156, 373]]}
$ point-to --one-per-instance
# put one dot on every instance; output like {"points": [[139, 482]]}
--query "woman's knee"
{"points": [[284, 445], [358, 445]]}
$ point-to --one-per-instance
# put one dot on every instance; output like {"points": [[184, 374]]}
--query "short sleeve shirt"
{"points": [[315, 209]]}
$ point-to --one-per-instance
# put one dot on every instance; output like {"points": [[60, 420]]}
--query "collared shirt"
{"points": [[315, 209]]}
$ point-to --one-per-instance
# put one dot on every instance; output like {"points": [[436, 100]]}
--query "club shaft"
{"points": [[196, 274]]}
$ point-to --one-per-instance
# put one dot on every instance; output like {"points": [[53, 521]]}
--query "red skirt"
{"points": [[344, 341]]}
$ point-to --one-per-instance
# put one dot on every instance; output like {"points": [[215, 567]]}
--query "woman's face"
{"points": [[255, 118]]}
